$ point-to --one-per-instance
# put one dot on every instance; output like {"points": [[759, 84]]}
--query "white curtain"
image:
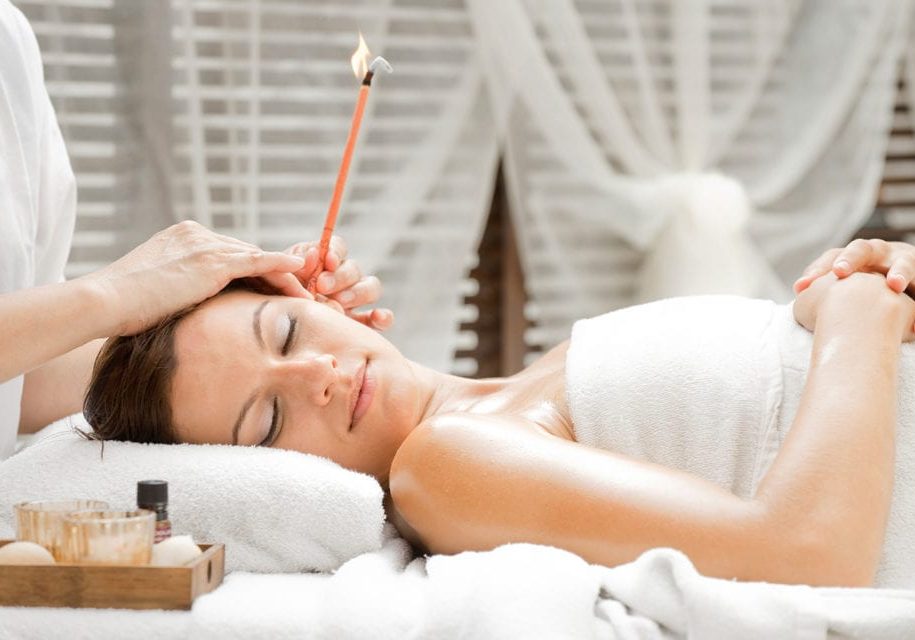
{"points": [[666, 147], [651, 147]]}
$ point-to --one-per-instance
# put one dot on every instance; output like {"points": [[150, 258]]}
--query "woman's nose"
{"points": [[313, 375]]}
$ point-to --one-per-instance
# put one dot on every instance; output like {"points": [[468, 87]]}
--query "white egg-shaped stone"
{"points": [[22, 552], [174, 552]]}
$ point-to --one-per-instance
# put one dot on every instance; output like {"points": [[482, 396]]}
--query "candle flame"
{"points": [[360, 59]]}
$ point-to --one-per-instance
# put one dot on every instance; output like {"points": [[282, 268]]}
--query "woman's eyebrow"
{"points": [[256, 325]]}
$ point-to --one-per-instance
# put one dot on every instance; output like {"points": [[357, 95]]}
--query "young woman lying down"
{"points": [[473, 464]]}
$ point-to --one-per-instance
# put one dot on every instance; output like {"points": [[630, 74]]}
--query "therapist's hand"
{"points": [[341, 283], [896, 260], [182, 265]]}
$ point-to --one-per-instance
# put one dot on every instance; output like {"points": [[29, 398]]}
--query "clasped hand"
{"points": [[861, 274]]}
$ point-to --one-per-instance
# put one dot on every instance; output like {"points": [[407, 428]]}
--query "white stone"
{"points": [[174, 552], [22, 552]]}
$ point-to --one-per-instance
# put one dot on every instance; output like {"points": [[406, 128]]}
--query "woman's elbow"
{"points": [[817, 556]]}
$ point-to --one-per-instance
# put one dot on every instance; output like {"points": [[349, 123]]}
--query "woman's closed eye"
{"points": [[291, 323], [290, 334], [274, 425]]}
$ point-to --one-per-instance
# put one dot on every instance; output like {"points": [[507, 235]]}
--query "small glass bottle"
{"points": [[153, 495]]}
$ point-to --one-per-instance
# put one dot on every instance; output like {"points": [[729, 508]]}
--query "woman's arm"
{"points": [[472, 482], [840, 450]]}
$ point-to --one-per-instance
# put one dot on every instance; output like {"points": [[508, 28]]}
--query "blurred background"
{"points": [[529, 162]]}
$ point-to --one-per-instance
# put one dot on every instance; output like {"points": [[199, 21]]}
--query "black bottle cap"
{"points": [[152, 492]]}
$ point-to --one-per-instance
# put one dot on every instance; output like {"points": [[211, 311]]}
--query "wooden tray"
{"points": [[119, 587]]}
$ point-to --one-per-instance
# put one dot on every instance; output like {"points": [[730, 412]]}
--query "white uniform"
{"points": [[37, 187]]}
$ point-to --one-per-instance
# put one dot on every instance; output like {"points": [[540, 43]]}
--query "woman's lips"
{"points": [[366, 392]]}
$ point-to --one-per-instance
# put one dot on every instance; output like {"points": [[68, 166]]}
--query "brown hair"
{"points": [[129, 393], [128, 396]]}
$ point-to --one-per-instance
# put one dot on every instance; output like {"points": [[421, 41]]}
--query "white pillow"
{"points": [[276, 511]]}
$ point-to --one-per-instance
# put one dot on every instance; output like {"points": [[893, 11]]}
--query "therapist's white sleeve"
{"points": [[37, 187]]}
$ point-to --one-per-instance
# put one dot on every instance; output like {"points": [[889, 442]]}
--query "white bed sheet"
{"points": [[515, 591]]}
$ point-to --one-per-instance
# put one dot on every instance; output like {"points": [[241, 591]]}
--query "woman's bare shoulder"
{"points": [[465, 482], [446, 442], [450, 439], [446, 468]]}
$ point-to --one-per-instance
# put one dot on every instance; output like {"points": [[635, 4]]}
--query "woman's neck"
{"points": [[444, 393]]}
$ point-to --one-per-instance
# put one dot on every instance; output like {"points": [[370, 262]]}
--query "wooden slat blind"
{"points": [[894, 216]]}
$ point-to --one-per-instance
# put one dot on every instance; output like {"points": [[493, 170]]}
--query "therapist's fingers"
{"points": [[343, 277], [310, 251], [286, 284], [336, 253], [307, 251], [254, 262], [366, 291], [379, 319], [819, 267]]}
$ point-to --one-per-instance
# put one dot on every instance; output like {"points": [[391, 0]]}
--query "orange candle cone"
{"points": [[331, 219]]}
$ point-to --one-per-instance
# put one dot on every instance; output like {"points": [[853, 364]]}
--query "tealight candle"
{"points": [[42, 522], [110, 537]]}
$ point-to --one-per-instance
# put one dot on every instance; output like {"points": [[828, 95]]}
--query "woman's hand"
{"points": [[894, 259], [341, 283], [859, 293]]}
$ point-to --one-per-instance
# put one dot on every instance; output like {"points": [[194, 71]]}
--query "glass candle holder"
{"points": [[110, 537], [42, 522]]}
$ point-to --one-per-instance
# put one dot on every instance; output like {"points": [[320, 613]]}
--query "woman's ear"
{"points": [[330, 302]]}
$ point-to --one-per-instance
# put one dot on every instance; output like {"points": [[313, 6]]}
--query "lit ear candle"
{"points": [[367, 70]]}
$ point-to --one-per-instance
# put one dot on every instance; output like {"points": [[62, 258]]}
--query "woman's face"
{"points": [[292, 373]]}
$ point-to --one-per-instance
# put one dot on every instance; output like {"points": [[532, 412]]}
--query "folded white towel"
{"points": [[711, 385], [673, 600], [275, 510]]}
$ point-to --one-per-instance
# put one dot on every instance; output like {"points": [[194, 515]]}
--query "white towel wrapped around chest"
{"points": [[711, 385], [691, 383]]}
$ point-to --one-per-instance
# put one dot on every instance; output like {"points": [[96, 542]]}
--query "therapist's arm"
{"points": [[177, 267], [40, 324], [57, 388]]}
